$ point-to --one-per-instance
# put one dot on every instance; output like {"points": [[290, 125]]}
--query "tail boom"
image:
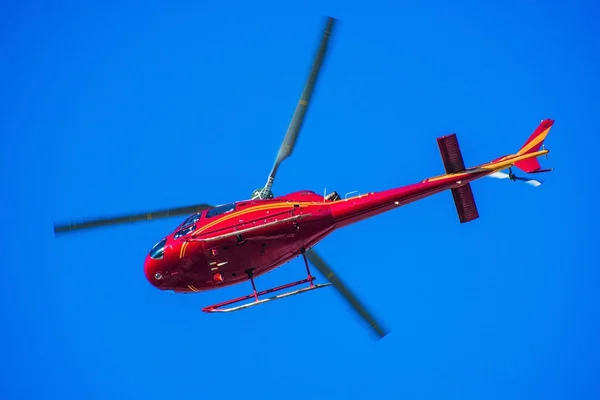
{"points": [[457, 179], [508, 161]]}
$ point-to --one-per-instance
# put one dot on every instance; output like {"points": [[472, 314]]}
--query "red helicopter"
{"points": [[218, 246]]}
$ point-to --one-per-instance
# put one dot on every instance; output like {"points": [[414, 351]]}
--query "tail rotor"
{"points": [[511, 175]]}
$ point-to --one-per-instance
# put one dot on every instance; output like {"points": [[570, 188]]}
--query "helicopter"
{"points": [[216, 246]]}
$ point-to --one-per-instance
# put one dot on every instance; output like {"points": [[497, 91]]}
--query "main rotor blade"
{"points": [[291, 136], [337, 283], [124, 219]]}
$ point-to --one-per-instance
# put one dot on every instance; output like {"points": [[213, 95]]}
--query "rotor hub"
{"points": [[261, 195]]}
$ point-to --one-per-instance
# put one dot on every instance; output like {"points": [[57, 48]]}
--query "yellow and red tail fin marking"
{"points": [[533, 144]]}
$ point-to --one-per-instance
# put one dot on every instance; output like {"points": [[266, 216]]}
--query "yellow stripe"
{"points": [[491, 167], [440, 177], [225, 217], [500, 165], [286, 204], [262, 207], [537, 140], [183, 247], [193, 288], [234, 214]]}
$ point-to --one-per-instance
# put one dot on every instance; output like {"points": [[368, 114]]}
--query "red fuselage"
{"points": [[217, 247]]}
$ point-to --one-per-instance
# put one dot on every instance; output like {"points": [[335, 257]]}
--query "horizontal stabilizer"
{"points": [[451, 154], [453, 163], [465, 203]]}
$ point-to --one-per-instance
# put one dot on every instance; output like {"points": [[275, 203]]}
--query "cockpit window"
{"points": [[158, 251], [184, 231], [191, 220], [220, 210]]}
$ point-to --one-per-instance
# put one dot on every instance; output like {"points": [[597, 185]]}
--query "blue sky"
{"points": [[136, 107]]}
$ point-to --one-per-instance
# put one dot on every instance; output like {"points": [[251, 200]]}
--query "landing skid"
{"points": [[218, 307]]}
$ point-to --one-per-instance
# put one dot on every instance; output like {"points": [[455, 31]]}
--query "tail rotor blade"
{"points": [[502, 175], [350, 297], [533, 182], [499, 175]]}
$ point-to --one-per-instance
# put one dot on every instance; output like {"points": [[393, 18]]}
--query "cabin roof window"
{"points": [[226, 208], [184, 231], [158, 251], [193, 219]]}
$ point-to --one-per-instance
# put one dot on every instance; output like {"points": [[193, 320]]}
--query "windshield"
{"points": [[158, 251]]}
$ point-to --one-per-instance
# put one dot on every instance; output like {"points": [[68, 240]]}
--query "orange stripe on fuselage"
{"points": [[440, 177], [508, 161], [491, 167], [224, 217], [286, 204], [234, 214], [182, 250], [193, 288], [228, 216]]}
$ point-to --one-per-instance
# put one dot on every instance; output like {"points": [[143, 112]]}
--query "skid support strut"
{"points": [[251, 276], [256, 295], [307, 268]]}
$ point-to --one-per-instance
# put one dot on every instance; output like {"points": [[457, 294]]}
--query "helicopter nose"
{"points": [[155, 263], [153, 272]]}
